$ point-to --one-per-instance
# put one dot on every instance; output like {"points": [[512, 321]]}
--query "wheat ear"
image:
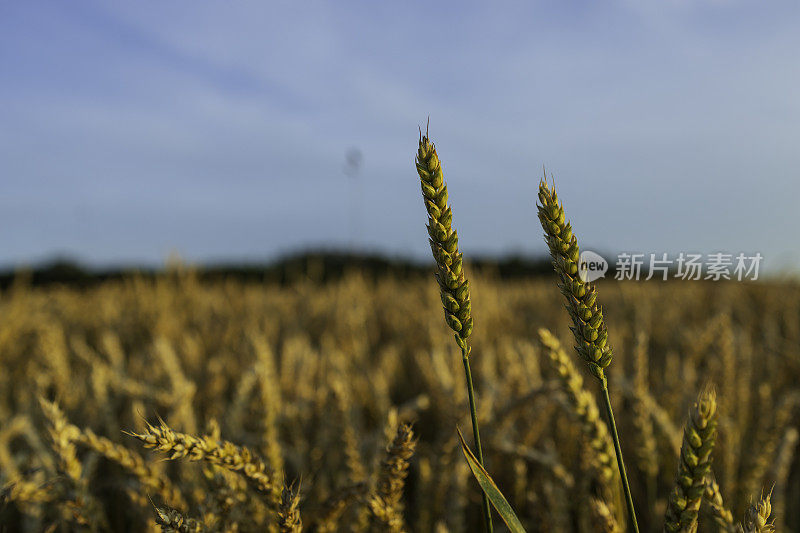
{"points": [[85, 510], [756, 519], [588, 325], [289, 511], [133, 463], [699, 436], [220, 453], [584, 407], [453, 285], [589, 328], [26, 492], [604, 516], [172, 521], [386, 503]]}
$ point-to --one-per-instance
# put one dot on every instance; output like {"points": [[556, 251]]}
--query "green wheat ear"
{"points": [[589, 328], [694, 465], [454, 287]]}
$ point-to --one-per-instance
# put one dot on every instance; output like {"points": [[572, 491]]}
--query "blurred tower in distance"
{"points": [[353, 159]]}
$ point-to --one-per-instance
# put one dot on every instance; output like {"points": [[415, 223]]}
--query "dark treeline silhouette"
{"points": [[316, 266], [319, 267]]}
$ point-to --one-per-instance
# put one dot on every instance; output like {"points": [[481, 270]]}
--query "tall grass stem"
{"points": [[473, 411], [632, 525]]}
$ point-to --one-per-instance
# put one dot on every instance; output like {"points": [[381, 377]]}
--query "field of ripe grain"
{"points": [[251, 388]]}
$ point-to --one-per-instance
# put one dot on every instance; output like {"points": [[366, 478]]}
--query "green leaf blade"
{"points": [[491, 490]]}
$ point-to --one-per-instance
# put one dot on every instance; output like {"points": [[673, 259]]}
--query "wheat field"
{"points": [[334, 407]]}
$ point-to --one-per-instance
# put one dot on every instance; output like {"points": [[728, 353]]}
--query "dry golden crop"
{"points": [[309, 386]]}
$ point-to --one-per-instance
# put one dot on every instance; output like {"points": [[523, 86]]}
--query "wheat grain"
{"points": [[386, 501], [83, 508], [588, 325], [147, 475], [757, 517], [581, 404], [172, 521], [699, 436], [453, 286], [289, 511], [220, 453], [606, 521]]}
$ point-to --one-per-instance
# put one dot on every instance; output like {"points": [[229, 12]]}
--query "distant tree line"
{"points": [[319, 267]]}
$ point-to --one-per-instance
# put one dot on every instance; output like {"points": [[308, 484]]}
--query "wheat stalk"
{"points": [[453, 285], [780, 472], [588, 325]]}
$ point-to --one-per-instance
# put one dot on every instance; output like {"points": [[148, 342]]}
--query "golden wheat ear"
{"points": [[223, 454], [289, 520], [582, 405], [172, 520], [757, 518], [386, 502]]}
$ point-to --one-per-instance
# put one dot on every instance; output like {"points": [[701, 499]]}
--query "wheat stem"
{"points": [[618, 451], [453, 285], [473, 412]]}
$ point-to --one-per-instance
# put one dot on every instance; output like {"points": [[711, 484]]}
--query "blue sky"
{"points": [[219, 129]]}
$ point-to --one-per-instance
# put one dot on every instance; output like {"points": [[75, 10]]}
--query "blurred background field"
{"points": [[316, 377]]}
